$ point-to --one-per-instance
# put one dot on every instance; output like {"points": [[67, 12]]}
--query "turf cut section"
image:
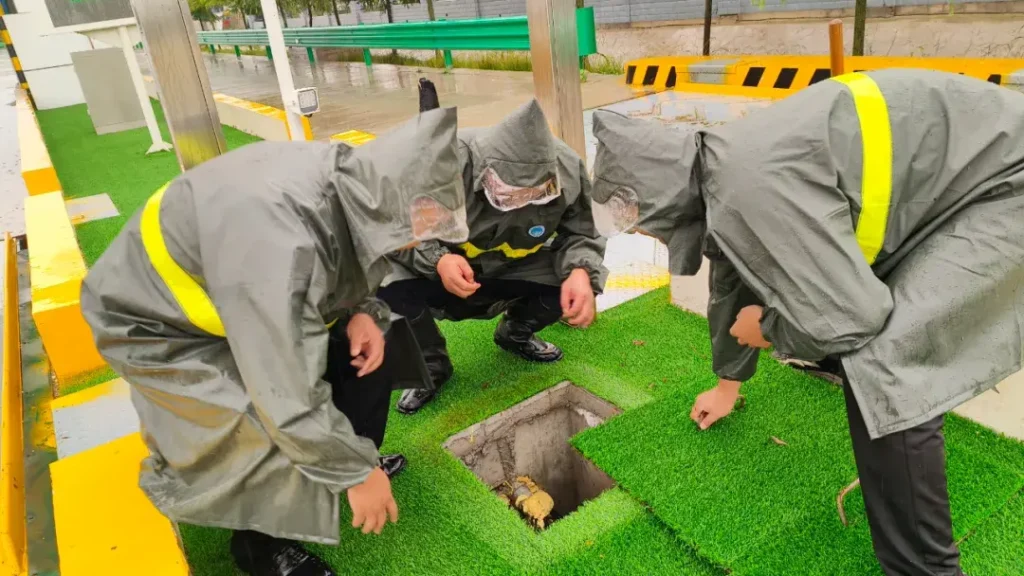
{"points": [[729, 500], [115, 164]]}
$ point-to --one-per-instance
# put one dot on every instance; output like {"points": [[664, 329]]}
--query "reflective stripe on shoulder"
{"points": [[472, 251], [876, 176], [191, 297]]}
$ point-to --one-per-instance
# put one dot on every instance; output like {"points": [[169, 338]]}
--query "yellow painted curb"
{"points": [[36, 167], [105, 524], [353, 137], [13, 522], [115, 387], [264, 110], [57, 270], [795, 72]]}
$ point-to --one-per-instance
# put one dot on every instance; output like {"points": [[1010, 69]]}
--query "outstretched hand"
{"points": [[372, 503], [715, 404]]}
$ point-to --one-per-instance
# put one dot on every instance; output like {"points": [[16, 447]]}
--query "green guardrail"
{"points": [[510, 33]]}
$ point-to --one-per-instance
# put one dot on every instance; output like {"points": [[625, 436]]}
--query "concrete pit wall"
{"points": [[532, 439]]}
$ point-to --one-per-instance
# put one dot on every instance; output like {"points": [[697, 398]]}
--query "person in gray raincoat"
{"points": [[873, 220], [238, 305], [533, 254]]}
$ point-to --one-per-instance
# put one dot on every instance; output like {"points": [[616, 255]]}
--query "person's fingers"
{"points": [[467, 271], [374, 358], [392, 507], [698, 408], [371, 523], [382, 519], [587, 316], [358, 516], [566, 300], [358, 362], [357, 341], [709, 419], [576, 305]]}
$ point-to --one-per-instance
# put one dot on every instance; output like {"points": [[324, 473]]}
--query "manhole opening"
{"points": [[524, 453]]}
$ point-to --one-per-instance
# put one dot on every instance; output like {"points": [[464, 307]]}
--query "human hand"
{"points": [[747, 328], [366, 343], [715, 404], [372, 503], [457, 275], [578, 306]]}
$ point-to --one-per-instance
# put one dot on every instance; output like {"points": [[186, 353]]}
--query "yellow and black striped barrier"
{"points": [[790, 73], [5, 36]]}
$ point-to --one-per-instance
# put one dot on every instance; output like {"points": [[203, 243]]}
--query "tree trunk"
{"points": [[337, 15], [430, 10], [284, 17], [309, 7], [707, 27], [859, 14], [387, 7], [245, 21], [202, 25], [580, 3]]}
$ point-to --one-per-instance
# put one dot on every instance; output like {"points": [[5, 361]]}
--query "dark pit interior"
{"points": [[531, 439]]}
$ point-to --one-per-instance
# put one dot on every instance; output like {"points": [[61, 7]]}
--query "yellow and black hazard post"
{"points": [[5, 36]]}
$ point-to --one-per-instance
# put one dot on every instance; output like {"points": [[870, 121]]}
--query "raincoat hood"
{"points": [[404, 186], [657, 167], [521, 150]]}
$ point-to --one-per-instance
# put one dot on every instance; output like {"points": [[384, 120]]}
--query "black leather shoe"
{"points": [[257, 554], [414, 399], [520, 340], [392, 464]]}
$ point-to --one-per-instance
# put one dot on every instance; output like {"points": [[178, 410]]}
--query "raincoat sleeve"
{"points": [[268, 283], [578, 245], [728, 295], [422, 259], [803, 261], [376, 309]]}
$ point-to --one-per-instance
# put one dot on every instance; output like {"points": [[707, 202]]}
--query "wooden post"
{"points": [[835, 47], [555, 53]]}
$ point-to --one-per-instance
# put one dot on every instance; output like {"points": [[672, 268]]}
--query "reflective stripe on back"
{"points": [[472, 251], [876, 176], [191, 297]]}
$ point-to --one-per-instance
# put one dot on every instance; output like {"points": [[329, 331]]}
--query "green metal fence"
{"points": [[509, 33]]}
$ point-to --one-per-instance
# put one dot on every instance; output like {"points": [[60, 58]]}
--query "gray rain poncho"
{"points": [[214, 304], [528, 204], [876, 217]]}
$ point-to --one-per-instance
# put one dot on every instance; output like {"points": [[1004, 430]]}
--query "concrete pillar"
{"points": [[184, 85], [556, 68]]}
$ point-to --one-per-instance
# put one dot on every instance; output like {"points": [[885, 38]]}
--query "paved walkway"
{"points": [[353, 97], [12, 187]]}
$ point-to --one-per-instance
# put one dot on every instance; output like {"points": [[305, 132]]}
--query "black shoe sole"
{"points": [[516, 352]]}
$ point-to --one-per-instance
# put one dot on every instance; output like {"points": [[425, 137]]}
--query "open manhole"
{"points": [[524, 454]]}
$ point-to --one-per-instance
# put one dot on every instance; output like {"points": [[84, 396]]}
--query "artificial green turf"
{"points": [[115, 164], [743, 502]]}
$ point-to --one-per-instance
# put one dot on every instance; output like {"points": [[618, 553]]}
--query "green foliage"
{"points": [[202, 10]]}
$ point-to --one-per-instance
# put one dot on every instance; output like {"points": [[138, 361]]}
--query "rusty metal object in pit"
{"points": [[532, 502], [839, 500]]}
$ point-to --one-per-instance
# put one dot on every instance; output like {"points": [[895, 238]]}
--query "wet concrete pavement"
{"points": [[353, 97], [12, 187]]}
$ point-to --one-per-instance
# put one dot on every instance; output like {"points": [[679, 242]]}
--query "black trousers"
{"points": [[536, 305], [364, 401], [903, 479]]}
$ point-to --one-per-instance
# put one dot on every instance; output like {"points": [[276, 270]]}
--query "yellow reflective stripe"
{"points": [[876, 174], [472, 251], [332, 323], [191, 297]]}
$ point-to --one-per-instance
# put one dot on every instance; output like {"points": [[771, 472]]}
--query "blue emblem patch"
{"points": [[537, 231]]}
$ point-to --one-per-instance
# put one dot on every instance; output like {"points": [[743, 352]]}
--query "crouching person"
{"points": [[871, 222], [533, 255], [238, 306]]}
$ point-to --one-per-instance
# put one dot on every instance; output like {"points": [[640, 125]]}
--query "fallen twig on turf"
{"points": [[839, 500]]}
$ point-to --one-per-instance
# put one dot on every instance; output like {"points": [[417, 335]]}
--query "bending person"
{"points": [[872, 222], [238, 307]]}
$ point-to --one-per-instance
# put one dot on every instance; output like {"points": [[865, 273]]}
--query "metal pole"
{"points": [[180, 72], [556, 74], [283, 68], [143, 95], [835, 46], [238, 52]]}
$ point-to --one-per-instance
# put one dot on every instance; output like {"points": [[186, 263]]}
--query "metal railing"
{"points": [[509, 33]]}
